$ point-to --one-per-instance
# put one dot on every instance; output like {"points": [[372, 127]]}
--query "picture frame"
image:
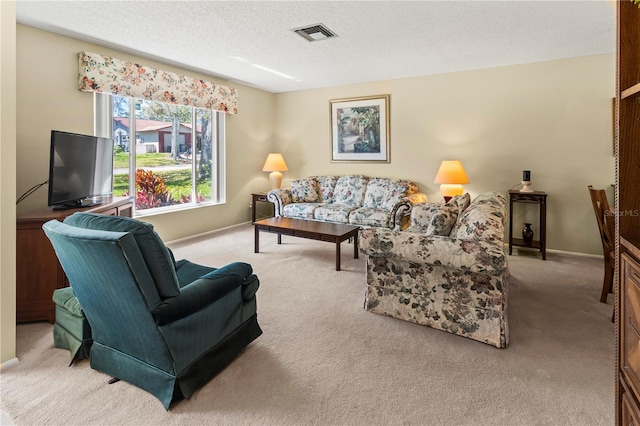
{"points": [[360, 129]]}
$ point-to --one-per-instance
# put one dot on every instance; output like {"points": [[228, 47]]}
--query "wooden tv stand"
{"points": [[38, 272]]}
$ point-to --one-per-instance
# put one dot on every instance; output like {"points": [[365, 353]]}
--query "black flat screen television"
{"points": [[80, 170]]}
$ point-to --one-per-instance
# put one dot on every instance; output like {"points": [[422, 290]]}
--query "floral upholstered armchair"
{"points": [[350, 199], [448, 270]]}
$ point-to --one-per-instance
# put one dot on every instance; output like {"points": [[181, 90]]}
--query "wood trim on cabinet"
{"points": [[627, 93]]}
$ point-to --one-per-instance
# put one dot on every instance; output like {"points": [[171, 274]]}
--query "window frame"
{"points": [[103, 127]]}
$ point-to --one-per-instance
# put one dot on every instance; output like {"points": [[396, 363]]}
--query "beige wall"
{"points": [[553, 118], [7, 181], [48, 98]]}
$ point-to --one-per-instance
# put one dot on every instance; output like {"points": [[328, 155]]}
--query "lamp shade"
{"points": [[451, 171], [275, 164], [451, 176]]}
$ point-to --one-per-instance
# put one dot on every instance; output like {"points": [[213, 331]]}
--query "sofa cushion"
{"points": [[326, 186], [301, 210], [369, 216], [443, 220], [421, 215], [350, 190], [188, 272], [156, 255], [383, 193], [333, 213], [304, 191], [484, 219]]}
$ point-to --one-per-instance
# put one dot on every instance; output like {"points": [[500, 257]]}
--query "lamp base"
{"points": [[275, 179], [450, 190], [525, 186]]}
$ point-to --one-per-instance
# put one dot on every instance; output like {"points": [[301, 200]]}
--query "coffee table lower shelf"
{"points": [[309, 229]]}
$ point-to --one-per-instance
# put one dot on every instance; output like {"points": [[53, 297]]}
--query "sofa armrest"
{"points": [[468, 255], [401, 213], [280, 198], [207, 290]]}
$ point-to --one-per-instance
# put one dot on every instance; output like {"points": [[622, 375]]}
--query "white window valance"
{"points": [[105, 74]]}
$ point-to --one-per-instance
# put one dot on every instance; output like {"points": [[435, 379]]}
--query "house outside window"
{"points": [[166, 156]]}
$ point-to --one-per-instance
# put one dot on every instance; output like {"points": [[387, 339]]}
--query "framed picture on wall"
{"points": [[360, 129]]}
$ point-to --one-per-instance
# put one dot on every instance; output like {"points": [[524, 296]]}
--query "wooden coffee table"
{"points": [[310, 229]]}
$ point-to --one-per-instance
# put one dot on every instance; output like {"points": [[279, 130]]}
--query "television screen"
{"points": [[80, 169]]}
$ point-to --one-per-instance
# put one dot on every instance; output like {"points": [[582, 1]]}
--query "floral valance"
{"points": [[105, 74]]}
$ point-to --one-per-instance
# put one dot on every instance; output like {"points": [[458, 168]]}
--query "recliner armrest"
{"points": [[207, 290]]}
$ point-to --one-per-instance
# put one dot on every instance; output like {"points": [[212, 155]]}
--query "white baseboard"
{"points": [[506, 245], [574, 253], [8, 364], [207, 233]]}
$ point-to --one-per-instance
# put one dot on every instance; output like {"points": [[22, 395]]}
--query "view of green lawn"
{"points": [[177, 181], [121, 160]]}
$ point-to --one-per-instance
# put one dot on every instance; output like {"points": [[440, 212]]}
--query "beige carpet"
{"points": [[324, 360]]}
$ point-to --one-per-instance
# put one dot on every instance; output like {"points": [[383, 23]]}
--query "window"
{"points": [[170, 156]]}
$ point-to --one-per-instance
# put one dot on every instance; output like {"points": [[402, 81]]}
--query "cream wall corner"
{"points": [[7, 182], [553, 118]]}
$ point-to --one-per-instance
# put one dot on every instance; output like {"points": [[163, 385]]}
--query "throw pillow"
{"points": [[326, 185], [443, 220], [350, 189], [304, 191], [383, 193], [421, 215], [462, 201]]}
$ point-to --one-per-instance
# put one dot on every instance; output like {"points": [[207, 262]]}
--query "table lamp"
{"points": [[275, 164], [451, 176]]}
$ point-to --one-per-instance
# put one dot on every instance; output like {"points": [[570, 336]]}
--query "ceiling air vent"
{"points": [[315, 32]]}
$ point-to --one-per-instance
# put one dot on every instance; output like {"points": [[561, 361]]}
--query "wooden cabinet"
{"points": [[628, 407], [38, 272], [627, 212], [628, 325], [629, 317]]}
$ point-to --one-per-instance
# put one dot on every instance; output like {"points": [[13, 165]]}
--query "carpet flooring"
{"points": [[324, 360]]}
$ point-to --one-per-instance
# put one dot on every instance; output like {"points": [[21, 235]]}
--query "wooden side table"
{"points": [[258, 197], [535, 197]]}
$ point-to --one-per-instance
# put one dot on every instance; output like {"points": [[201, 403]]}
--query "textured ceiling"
{"points": [[252, 42]]}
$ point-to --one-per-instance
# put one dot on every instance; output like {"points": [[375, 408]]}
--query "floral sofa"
{"points": [[353, 199], [448, 270]]}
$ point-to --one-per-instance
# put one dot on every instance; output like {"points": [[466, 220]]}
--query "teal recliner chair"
{"points": [[167, 327]]}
